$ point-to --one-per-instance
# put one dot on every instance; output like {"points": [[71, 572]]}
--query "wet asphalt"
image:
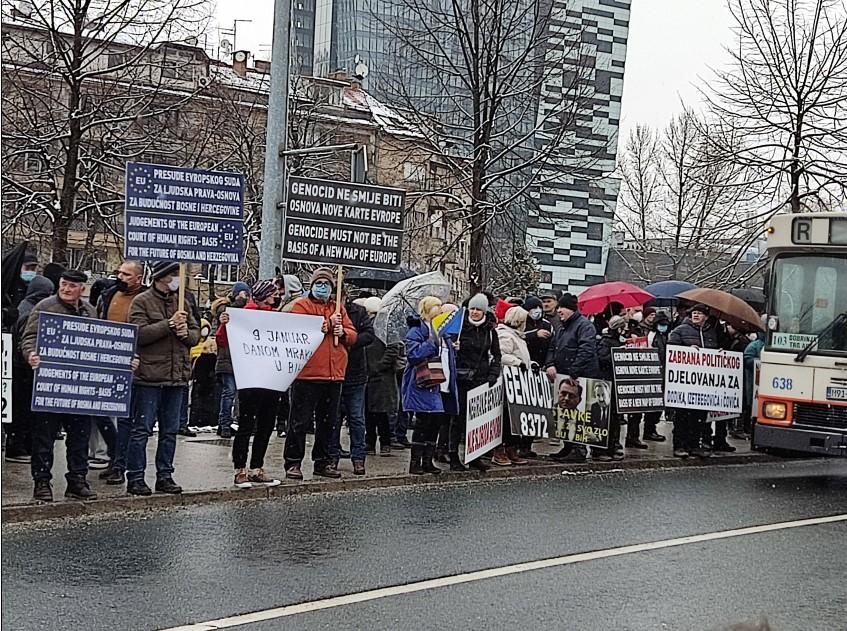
{"points": [[159, 570]]}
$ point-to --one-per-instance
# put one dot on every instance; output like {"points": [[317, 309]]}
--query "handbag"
{"points": [[429, 373]]}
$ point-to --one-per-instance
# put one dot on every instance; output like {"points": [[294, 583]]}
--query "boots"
{"points": [[427, 465], [415, 467], [78, 489], [500, 458], [512, 455], [456, 464], [479, 464]]}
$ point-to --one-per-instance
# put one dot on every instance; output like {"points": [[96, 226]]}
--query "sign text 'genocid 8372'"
{"points": [[180, 214], [339, 223]]}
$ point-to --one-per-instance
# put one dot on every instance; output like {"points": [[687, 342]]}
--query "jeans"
{"points": [[108, 430], [122, 443], [353, 407], [257, 410], [154, 403], [227, 381], [183, 410], [311, 399], [44, 429], [400, 427]]}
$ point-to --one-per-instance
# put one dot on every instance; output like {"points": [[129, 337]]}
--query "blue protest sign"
{"points": [[186, 215], [86, 366]]}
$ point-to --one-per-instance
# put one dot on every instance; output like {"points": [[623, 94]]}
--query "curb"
{"points": [[20, 513]]}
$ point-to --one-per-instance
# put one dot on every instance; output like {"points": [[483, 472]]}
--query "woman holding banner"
{"points": [[429, 384], [478, 362], [510, 334]]}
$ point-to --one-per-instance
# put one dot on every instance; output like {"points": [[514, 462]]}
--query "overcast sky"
{"points": [[672, 44]]}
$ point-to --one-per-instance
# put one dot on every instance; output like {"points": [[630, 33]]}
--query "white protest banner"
{"points": [[7, 348], [269, 348], [484, 430], [703, 379]]}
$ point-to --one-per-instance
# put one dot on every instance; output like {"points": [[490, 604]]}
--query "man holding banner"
{"points": [[68, 301], [166, 334]]}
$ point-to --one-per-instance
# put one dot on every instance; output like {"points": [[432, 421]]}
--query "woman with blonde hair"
{"points": [[429, 384]]}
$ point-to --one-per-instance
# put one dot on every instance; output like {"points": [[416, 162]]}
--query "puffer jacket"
{"points": [[687, 334], [357, 360], [51, 304], [422, 345], [513, 348], [165, 358], [607, 341], [573, 350], [329, 363], [478, 357]]}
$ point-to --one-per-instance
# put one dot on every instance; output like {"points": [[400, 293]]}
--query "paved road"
{"points": [[188, 566]]}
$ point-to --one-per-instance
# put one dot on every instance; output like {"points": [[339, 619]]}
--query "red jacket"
{"points": [[221, 338], [329, 363]]}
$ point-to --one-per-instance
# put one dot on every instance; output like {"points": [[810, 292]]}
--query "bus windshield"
{"points": [[808, 293]]}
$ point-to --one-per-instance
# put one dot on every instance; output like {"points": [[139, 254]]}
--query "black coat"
{"points": [[357, 361], [573, 350], [382, 393], [607, 341], [537, 346], [687, 334], [478, 357]]}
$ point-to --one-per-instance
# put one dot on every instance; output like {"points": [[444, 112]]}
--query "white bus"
{"points": [[802, 397]]}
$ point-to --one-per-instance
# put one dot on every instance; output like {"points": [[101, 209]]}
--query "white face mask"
{"points": [[536, 313], [638, 316], [174, 284]]}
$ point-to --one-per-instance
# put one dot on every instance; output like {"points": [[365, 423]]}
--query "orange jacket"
{"points": [[329, 363]]}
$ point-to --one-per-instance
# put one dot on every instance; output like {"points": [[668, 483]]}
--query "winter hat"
{"points": [[291, 285], [323, 273], [648, 311], [616, 323], [661, 318], [29, 259], [372, 304], [568, 301], [549, 295], [448, 307], [160, 269], [701, 308], [238, 287], [74, 276], [531, 303], [53, 271], [501, 308], [263, 289], [479, 301]]}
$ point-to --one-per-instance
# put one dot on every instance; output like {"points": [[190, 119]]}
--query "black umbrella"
{"points": [[377, 278], [10, 276], [753, 297]]}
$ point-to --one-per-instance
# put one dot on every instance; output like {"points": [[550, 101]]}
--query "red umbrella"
{"points": [[594, 299]]}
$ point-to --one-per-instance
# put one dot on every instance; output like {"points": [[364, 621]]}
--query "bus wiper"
{"points": [[801, 356]]}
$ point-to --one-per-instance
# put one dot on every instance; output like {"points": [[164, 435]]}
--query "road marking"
{"points": [[470, 577]]}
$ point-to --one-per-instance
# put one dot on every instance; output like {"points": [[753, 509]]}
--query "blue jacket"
{"points": [[420, 347], [573, 350]]}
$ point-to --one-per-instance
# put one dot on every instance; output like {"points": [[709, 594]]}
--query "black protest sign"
{"points": [[340, 223], [529, 399], [86, 366], [181, 214], [639, 383]]}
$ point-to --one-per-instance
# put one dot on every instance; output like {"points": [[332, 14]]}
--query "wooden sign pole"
{"points": [[339, 282], [181, 303]]}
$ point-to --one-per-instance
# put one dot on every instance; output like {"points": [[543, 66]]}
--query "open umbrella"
{"points": [[734, 310], [594, 299], [666, 292], [402, 301], [752, 296], [377, 278]]}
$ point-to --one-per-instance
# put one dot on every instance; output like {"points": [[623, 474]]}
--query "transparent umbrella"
{"points": [[402, 301]]}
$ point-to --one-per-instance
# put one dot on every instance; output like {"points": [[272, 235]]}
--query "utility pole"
{"points": [[273, 200]]}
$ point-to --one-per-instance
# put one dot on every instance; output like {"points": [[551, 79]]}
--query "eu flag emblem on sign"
{"points": [[449, 323]]}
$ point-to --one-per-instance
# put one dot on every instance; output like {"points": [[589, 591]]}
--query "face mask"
{"points": [[204, 332], [662, 328], [622, 338], [27, 276], [174, 284], [322, 292], [536, 314], [121, 286], [638, 316], [752, 337]]}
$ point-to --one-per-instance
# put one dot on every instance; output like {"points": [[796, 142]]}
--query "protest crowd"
{"points": [[408, 392]]}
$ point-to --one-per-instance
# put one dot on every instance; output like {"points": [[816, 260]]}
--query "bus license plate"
{"points": [[834, 393]]}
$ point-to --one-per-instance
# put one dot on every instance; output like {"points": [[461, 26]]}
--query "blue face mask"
{"points": [[27, 276], [662, 328], [322, 292]]}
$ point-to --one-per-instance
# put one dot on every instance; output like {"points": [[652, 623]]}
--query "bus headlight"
{"points": [[775, 410]]}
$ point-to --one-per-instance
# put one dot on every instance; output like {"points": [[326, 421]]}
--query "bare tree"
{"points": [[785, 98], [88, 85], [470, 74], [686, 215]]}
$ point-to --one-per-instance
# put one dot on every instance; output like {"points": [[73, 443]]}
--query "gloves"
{"points": [[535, 367], [522, 367]]}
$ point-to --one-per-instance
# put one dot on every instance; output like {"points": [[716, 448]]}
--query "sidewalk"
{"points": [[204, 470]]}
